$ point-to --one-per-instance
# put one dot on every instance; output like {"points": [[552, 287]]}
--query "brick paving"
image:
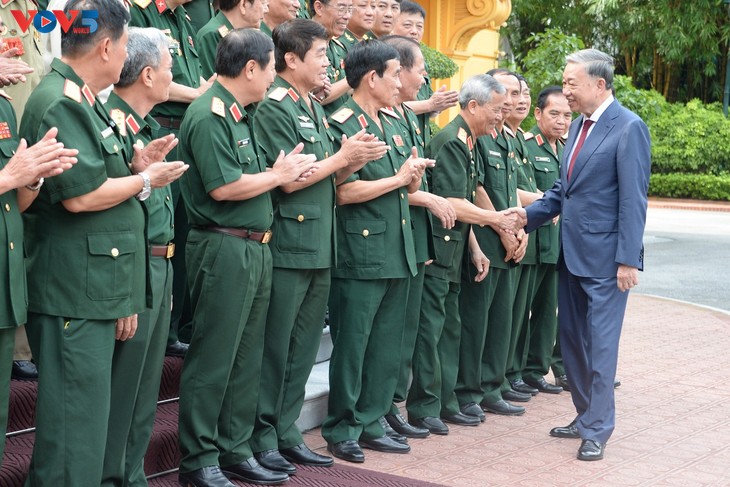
{"points": [[673, 423]]}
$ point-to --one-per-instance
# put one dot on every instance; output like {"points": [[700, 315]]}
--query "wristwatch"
{"points": [[146, 187], [36, 186]]}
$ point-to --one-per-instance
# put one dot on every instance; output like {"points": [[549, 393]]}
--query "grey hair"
{"points": [[479, 88], [144, 48], [597, 64]]}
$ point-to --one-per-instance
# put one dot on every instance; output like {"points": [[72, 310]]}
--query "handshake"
{"points": [[512, 220]]}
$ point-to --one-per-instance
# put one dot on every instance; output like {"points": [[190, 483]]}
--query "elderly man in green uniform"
{"points": [[302, 243], [278, 12], [22, 171], [360, 24], [486, 307], [375, 258], [187, 84], [87, 251], [454, 177], [545, 149], [137, 364], [232, 14], [226, 194]]}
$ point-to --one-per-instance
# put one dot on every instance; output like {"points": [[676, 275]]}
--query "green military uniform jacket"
{"points": [[185, 62], [498, 176], [374, 238], [453, 176], [303, 229], [525, 182], [336, 53], [200, 12], [303, 12], [135, 130], [218, 141], [99, 258], [13, 295], [348, 39], [208, 38], [424, 119], [546, 168], [420, 216], [31, 48], [265, 29]]}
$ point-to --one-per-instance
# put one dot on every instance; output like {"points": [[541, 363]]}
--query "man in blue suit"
{"points": [[602, 198]]}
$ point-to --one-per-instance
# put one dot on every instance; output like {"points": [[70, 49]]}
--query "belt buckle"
{"points": [[267, 237], [170, 251]]}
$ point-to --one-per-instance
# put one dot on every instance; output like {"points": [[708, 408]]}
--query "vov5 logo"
{"points": [[46, 20]]}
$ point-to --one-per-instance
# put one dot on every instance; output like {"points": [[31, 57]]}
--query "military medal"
{"points": [[5, 130], [398, 140]]}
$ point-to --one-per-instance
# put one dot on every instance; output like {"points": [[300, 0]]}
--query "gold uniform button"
{"points": [[403, 221], [115, 252], [497, 166], [311, 139], [447, 238], [116, 148], [300, 218], [167, 197], [473, 194], [365, 233], [395, 171], [326, 154], [402, 196], [12, 245], [7, 206]]}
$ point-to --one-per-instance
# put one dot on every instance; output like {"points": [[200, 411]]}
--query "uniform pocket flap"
{"points": [[112, 244], [7, 148], [446, 235], [300, 212], [365, 227]]}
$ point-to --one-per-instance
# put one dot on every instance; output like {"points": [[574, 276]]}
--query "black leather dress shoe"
{"points": [[24, 370], [473, 409], [384, 444], [512, 395], [462, 419], [616, 383], [520, 386], [250, 471], [591, 450], [205, 477], [503, 407], [403, 427], [272, 460], [177, 349], [391, 433], [347, 450], [570, 431], [432, 424], [544, 386], [302, 455], [562, 381]]}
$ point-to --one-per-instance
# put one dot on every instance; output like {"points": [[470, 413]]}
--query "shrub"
{"points": [[694, 186], [647, 104], [439, 65]]}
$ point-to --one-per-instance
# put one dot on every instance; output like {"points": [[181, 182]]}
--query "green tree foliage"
{"points": [[439, 65], [543, 64]]}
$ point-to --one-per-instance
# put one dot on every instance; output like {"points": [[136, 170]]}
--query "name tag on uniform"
{"points": [[495, 153], [107, 132], [542, 159], [243, 142], [306, 125]]}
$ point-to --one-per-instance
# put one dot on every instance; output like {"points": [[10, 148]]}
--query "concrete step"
{"points": [[314, 409], [325, 346]]}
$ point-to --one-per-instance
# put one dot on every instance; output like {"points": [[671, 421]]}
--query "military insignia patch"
{"points": [[5, 130], [142, 3], [398, 140], [390, 111], [236, 112], [325, 123], [13, 42], [293, 94], [342, 115], [470, 142], [161, 5], [118, 117], [528, 135], [72, 90], [362, 120], [539, 139], [218, 107], [278, 94], [132, 124], [461, 135], [223, 30], [86, 91], [495, 134]]}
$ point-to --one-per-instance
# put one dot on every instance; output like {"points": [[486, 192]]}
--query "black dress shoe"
{"points": [[177, 349], [347, 450], [403, 427], [512, 395], [616, 383], [590, 450], [462, 419], [432, 424], [273, 460], [562, 381], [520, 386], [391, 433], [24, 370], [503, 407], [384, 444], [544, 386], [570, 431], [205, 477], [302, 455], [250, 471], [473, 409]]}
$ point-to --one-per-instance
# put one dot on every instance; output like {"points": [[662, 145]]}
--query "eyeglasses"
{"points": [[342, 10]]}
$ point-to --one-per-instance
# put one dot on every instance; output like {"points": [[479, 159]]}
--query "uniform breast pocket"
{"points": [[546, 172], [309, 135], [445, 245], [495, 173], [365, 243], [298, 229], [247, 156], [110, 265], [114, 158]]}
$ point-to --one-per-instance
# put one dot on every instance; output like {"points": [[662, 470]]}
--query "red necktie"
{"points": [[583, 133]]}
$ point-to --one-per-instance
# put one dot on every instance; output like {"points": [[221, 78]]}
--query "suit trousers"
{"points": [[591, 318]]}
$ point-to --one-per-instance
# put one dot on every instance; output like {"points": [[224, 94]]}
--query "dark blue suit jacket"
{"points": [[603, 207]]}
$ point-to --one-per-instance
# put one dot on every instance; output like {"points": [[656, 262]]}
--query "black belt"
{"points": [[263, 237], [166, 251], [169, 123]]}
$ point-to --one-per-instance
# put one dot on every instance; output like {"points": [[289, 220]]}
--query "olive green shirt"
{"points": [[303, 228], [374, 238], [200, 12], [208, 38], [453, 176], [546, 168], [92, 264], [336, 53], [135, 130], [13, 292], [498, 176], [218, 141], [525, 182], [424, 119], [185, 62]]}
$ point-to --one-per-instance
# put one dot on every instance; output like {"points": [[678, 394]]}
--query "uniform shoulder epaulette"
{"points": [[142, 3], [5, 95], [390, 111], [521, 130], [72, 90], [342, 115], [278, 94], [508, 131], [528, 135], [461, 135], [539, 139], [218, 107], [119, 118], [495, 134], [349, 37], [161, 6], [223, 30]]}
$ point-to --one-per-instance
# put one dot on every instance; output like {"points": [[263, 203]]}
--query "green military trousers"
{"points": [[136, 375], [543, 323], [230, 282], [293, 333], [520, 337], [368, 316], [7, 341]]}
